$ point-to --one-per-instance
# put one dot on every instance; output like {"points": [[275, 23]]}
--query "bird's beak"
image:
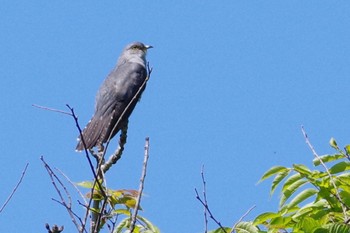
{"points": [[148, 46]]}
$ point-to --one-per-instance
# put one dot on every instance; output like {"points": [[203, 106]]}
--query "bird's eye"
{"points": [[134, 47]]}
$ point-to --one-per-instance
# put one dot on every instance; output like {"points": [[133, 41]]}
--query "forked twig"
{"points": [[62, 201], [205, 204], [95, 174], [205, 199], [75, 187], [52, 109]]}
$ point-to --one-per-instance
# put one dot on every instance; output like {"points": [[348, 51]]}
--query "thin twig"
{"points": [[96, 179], [337, 195], [205, 200], [75, 187], [209, 212], [63, 202], [52, 109], [205, 204], [15, 188], [86, 151], [99, 215], [241, 218], [142, 181]]}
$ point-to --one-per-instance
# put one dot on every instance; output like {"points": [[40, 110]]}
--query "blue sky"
{"points": [[232, 83]]}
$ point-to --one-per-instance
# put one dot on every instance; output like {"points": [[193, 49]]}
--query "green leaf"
{"points": [[128, 201], [272, 171], [339, 228], [347, 149], [320, 204], [280, 222], [315, 175], [290, 190], [321, 230], [327, 158], [301, 213], [85, 184], [278, 178], [291, 180], [345, 196], [122, 211], [148, 225], [340, 167], [302, 197], [262, 218], [122, 225], [309, 224], [245, 227], [311, 208], [97, 195], [343, 181], [89, 184], [333, 144], [302, 169]]}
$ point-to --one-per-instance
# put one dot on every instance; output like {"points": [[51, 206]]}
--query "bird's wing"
{"points": [[125, 82], [113, 97]]}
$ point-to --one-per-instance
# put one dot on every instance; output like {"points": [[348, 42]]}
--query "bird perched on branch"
{"points": [[117, 97]]}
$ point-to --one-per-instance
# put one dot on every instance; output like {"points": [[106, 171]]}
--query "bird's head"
{"points": [[137, 48], [134, 52]]}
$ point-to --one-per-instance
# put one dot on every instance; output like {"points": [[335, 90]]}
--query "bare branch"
{"points": [[96, 179], [52, 109], [15, 188], [82, 138], [75, 187], [241, 218], [142, 181], [205, 204], [62, 201], [205, 200]]}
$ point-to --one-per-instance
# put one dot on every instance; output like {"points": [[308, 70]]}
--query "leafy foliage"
{"points": [[315, 201], [311, 201], [118, 207]]}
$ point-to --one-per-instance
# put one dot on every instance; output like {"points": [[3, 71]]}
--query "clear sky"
{"points": [[232, 83]]}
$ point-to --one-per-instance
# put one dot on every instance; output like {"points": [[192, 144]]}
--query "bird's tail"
{"points": [[91, 134]]}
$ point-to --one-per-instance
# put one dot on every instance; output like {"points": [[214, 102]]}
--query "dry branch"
{"points": [[14, 189], [142, 183]]}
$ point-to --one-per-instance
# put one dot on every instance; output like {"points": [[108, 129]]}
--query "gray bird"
{"points": [[115, 94]]}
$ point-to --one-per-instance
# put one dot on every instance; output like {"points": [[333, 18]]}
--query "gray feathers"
{"points": [[115, 94]]}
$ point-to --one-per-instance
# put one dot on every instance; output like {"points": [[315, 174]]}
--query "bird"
{"points": [[116, 97]]}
